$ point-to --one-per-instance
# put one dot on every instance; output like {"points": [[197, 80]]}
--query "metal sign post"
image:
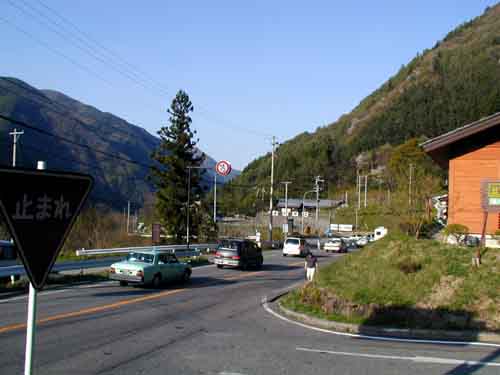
{"points": [[490, 202], [31, 323], [39, 208]]}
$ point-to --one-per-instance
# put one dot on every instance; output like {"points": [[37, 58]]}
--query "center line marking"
{"points": [[439, 361], [116, 305]]}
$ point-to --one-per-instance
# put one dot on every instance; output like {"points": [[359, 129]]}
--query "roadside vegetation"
{"points": [[402, 282]]}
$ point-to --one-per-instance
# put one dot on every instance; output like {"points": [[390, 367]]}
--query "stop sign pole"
{"points": [[40, 208], [31, 322]]}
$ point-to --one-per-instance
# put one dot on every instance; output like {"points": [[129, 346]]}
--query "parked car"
{"points": [[152, 267], [337, 245], [7, 250], [295, 246], [362, 241], [240, 253]]}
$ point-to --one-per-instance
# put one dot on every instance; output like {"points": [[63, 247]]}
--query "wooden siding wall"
{"points": [[465, 175]]}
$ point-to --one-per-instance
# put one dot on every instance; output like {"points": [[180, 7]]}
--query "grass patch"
{"points": [[402, 282]]}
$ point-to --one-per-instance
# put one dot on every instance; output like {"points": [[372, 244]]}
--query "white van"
{"points": [[295, 246]]}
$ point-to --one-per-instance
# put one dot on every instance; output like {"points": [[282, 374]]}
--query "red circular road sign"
{"points": [[223, 168]]}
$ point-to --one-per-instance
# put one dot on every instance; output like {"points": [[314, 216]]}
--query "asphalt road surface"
{"points": [[216, 324]]}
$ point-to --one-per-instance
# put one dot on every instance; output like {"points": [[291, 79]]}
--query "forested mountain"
{"points": [[109, 141], [455, 82]]}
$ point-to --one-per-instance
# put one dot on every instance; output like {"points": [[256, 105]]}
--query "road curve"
{"points": [[214, 325]]}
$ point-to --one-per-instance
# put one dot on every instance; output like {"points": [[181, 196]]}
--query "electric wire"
{"points": [[92, 51]]}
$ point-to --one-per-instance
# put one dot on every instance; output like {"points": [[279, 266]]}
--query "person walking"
{"points": [[311, 265]]}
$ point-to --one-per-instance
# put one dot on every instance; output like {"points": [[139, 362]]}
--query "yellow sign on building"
{"points": [[494, 193]]}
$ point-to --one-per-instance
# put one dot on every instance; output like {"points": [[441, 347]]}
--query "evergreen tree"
{"points": [[176, 152]]}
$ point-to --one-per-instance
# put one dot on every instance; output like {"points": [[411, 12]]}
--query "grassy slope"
{"points": [[443, 285]]}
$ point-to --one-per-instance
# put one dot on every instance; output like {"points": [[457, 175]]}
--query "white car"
{"points": [[363, 241], [295, 246], [337, 245]]}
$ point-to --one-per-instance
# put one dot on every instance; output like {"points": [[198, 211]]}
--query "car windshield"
{"points": [[292, 241], [140, 257]]}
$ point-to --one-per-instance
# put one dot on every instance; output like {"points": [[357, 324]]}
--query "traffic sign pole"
{"points": [[30, 331], [31, 323]]}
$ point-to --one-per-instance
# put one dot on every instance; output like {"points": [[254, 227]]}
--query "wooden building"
{"points": [[471, 154]]}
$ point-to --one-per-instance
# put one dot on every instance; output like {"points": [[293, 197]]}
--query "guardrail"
{"points": [[180, 251], [18, 270]]}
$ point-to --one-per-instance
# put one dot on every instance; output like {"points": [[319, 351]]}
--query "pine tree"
{"points": [[176, 152]]}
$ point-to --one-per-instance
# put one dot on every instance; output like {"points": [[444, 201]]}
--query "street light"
{"points": [[303, 199], [286, 202]]}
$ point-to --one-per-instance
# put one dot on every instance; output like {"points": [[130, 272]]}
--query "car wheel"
{"points": [[156, 281], [220, 266], [259, 264], [285, 255], [186, 275], [123, 283]]}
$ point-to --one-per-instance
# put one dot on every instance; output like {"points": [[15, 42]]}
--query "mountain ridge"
{"points": [[455, 82], [101, 133]]}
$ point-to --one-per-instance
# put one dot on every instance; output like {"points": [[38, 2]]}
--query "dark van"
{"points": [[239, 253]]}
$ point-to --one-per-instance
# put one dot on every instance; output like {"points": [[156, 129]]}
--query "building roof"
{"points": [[464, 139], [309, 203]]}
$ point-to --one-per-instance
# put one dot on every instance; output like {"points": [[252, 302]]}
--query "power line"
{"points": [[67, 140], [130, 72], [65, 110]]}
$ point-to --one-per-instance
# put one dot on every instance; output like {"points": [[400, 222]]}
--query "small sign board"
{"points": [[285, 228], [276, 213], [155, 233], [40, 207], [490, 195], [295, 213], [305, 214]]}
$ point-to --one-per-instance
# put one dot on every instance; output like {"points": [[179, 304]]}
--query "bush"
{"points": [[457, 231]]}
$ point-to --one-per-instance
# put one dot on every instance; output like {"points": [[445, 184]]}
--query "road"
{"points": [[214, 325]]}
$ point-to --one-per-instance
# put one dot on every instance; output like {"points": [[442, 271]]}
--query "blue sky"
{"points": [[252, 68]]}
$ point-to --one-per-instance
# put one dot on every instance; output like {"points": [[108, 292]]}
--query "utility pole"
{"points": [[128, 216], [366, 187], [15, 135], [358, 185], [409, 186], [187, 207], [125, 219], [317, 180], [274, 143]]}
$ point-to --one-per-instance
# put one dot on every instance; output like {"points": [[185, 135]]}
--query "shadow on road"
{"points": [[144, 290], [465, 369], [425, 319], [279, 267]]}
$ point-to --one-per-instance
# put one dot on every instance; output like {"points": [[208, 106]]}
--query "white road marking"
{"points": [[435, 360], [230, 373], [379, 338]]}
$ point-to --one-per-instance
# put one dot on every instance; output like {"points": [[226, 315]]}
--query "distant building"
{"points": [[309, 204], [471, 154]]}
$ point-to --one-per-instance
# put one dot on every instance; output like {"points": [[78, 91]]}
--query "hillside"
{"points": [[116, 180], [455, 82]]}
